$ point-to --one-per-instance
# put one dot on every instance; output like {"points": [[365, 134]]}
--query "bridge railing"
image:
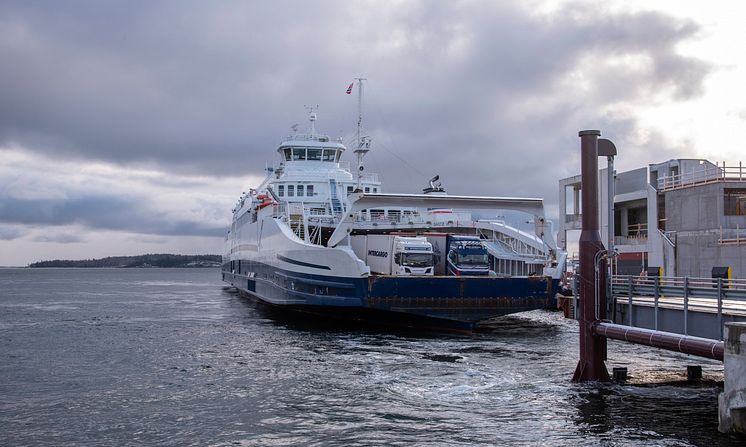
{"points": [[711, 295]]}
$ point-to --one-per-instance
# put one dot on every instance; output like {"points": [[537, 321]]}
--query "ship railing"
{"points": [[370, 177], [297, 215], [720, 296], [365, 177], [414, 219], [708, 174]]}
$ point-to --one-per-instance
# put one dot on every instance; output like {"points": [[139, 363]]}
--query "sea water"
{"points": [[173, 357]]}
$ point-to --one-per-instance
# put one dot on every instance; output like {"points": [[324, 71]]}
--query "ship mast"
{"points": [[363, 142], [312, 118]]}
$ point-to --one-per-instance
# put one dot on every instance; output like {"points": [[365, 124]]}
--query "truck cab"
{"points": [[412, 256], [467, 256]]}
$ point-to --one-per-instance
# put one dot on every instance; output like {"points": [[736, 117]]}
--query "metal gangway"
{"points": [[697, 307]]}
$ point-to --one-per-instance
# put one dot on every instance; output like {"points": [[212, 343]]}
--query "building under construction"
{"points": [[686, 217]]}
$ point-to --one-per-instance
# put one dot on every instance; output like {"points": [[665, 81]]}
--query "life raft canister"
{"points": [[265, 201]]}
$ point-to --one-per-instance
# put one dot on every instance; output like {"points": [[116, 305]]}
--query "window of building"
{"points": [[734, 203], [309, 190], [291, 190], [281, 190], [314, 154], [300, 191]]}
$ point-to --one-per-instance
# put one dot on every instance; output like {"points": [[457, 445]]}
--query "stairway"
{"points": [[336, 204]]}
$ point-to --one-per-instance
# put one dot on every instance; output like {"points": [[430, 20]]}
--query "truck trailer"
{"points": [[389, 254]]}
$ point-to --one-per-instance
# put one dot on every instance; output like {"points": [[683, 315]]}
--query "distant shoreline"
{"points": [[140, 261]]}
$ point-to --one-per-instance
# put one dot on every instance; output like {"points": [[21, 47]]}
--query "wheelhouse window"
{"points": [[314, 154], [367, 189], [299, 153], [734, 203], [287, 152], [281, 190], [329, 154], [375, 190], [309, 190], [300, 191], [291, 190], [349, 190]]}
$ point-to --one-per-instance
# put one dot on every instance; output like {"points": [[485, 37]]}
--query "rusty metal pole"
{"points": [[591, 366]]}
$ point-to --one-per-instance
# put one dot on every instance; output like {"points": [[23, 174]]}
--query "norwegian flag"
{"points": [[349, 89]]}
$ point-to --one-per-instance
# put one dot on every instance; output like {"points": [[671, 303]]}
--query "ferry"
{"points": [[314, 237]]}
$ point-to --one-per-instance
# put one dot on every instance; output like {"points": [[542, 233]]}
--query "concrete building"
{"points": [[684, 216]]}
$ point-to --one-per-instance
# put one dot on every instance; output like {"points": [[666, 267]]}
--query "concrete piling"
{"points": [[732, 401]]}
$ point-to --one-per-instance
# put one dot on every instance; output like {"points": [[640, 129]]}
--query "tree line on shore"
{"points": [[148, 260]]}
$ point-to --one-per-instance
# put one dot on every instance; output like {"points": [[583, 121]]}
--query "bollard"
{"points": [[619, 374], [693, 373]]}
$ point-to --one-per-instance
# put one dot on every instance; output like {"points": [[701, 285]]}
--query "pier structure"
{"points": [[595, 328]]}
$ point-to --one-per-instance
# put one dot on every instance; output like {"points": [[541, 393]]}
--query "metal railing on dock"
{"points": [[717, 297]]}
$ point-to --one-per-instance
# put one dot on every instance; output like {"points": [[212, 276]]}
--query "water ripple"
{"points": [[171, 357]]}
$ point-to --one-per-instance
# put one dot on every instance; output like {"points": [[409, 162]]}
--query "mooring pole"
{"points": [[591, 366]]}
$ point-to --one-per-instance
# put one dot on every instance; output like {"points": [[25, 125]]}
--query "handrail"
{"points": [[692, 294], [665, 234], [704, 284], [707, 174]]}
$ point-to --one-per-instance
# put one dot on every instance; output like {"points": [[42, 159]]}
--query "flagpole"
{"points": [[362, 147]]}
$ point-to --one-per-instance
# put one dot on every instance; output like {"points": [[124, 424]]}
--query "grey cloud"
{"points": [[61, 238], [9, 232], [101, 212], [147, 239], [211, 87]]}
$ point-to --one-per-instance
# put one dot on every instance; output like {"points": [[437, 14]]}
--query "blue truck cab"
{"points": [[467, 256]]}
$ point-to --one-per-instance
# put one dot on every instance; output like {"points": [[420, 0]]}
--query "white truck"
{"points": [[389, 254]]}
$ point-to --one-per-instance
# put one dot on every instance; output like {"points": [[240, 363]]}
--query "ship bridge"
{"points": [[314, 149]]}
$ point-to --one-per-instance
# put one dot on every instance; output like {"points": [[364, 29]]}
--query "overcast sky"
{"points": [[132, 127]]}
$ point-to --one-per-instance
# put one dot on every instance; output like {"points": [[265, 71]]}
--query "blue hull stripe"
{"points": [[319, 282], [304, 264], [452, 299]]}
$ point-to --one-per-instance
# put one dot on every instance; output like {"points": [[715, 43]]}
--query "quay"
{"points": [[622, 291]]}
